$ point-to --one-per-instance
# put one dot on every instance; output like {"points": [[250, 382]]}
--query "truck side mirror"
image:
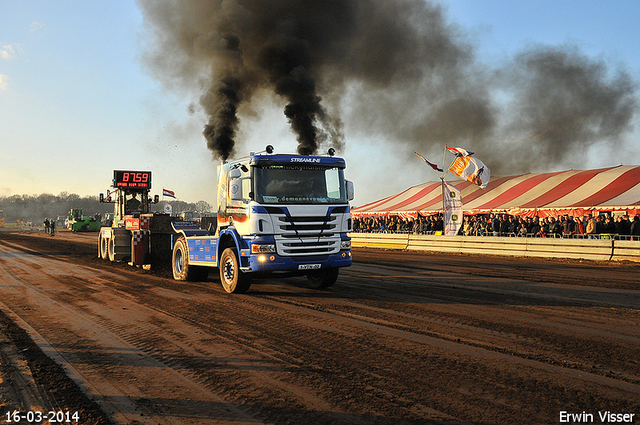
{"points": [[350, 191], [102, 198], [235, 173], [156, 199]]}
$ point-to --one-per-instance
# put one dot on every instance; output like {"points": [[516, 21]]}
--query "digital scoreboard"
{"points": [[132, 179]]}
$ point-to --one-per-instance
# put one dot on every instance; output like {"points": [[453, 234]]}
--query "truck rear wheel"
{"points": [[111, 249], [233, 280], [103, 247], [180, 264], [323, 278]]}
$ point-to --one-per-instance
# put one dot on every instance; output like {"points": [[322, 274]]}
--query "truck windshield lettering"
{"points": [[299, 184]]}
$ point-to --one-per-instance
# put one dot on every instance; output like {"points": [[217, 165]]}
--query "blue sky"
{"points": [[76, 100]]}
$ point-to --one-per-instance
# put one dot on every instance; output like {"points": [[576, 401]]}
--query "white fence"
{"points": [[588, 249]]}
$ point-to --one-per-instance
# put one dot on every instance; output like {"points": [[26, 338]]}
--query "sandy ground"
{"points": [[401, 338]]}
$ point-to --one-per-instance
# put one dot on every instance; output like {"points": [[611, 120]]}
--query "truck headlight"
{"points": [[263, 248], [345, 245]]}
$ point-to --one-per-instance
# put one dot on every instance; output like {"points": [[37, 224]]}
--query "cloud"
{"points": [[4, 82], [35, 26], [10, 51], [7, 52]]}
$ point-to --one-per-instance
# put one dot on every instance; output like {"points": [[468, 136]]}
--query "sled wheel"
{"points": [[180, 264]]}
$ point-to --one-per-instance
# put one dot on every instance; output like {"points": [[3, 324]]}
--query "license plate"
{"points": [[309, 266]]}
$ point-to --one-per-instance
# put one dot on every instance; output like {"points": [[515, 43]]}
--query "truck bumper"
{"points": [[274, 262]]}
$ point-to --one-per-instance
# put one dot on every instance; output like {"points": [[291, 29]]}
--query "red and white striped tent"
{"points": [[572, 192]]}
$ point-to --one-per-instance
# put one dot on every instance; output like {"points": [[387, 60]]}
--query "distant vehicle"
{"points": [[77, 222], [2, 218], [189, 216]]}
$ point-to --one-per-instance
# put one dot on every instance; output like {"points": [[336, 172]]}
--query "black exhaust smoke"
{"points": [[221, 104], [394, 69]]}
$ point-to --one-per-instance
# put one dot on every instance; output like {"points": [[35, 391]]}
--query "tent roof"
{"points": [[604, 188]]}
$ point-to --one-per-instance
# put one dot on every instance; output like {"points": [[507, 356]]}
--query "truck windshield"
{"points": [[299, 184]]}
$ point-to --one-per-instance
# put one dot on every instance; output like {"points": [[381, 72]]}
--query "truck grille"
{"points": [[306, 235]]}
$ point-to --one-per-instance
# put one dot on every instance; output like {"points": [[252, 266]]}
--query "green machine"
{"points": [[79, 223]]}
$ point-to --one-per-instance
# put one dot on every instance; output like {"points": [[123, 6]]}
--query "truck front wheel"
{"points": [[323, 278], [180, 264], [232, 279]]}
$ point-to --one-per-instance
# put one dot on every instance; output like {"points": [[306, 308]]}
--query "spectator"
{"points": [[535, 227], [600, 225], [592, 226], [423, 225], [582, 225], [554, 228], [466, 227], [416, 227], [544, 228], [610, 225], [635, 228], [438, 224], [522, 229], [530, 223], [505, 226], [495, 225], [568, 226], [624, 226], [513, 225]]}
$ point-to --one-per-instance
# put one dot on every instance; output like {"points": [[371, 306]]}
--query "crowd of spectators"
{"points": [[588, 226], [392, 224]]}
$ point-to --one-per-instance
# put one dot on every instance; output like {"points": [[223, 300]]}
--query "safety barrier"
{"points": [[587, 249], [626, 250]]}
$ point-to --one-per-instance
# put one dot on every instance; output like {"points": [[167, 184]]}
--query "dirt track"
{"points": [[401, 338]]}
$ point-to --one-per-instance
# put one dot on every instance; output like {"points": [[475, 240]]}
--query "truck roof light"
{"points": [[331, 152], [269, 149]]}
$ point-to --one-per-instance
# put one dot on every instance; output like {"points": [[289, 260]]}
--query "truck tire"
{"points": [[100, 245], [323, 278], [180, 264], [104, 248], [111, 249], [233, 280]]}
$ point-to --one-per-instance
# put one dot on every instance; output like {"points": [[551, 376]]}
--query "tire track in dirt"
{"points": [[111, 370]]}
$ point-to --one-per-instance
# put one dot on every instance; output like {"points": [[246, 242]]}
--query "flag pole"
{"points": [[446, 171], [444, 156], [426, 162], [444, 215]]}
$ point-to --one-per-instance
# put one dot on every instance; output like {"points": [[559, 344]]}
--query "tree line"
{"points": [[35, 208]]}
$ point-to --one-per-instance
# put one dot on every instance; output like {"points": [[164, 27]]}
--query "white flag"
{"points": [[452, 209]]}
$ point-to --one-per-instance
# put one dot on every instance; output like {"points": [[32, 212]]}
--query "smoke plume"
{"points": [[390, 68]]}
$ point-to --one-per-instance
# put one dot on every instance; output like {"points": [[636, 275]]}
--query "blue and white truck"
{"points": [[276, 213]]}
